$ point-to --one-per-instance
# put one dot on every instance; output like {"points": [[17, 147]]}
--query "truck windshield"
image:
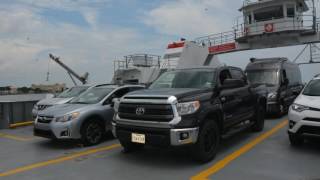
{"points": [[92, 96], [266, 77], [313, 88], [72, 92], [197, 79]]}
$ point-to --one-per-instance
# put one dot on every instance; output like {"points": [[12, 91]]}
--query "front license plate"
{"points": [[138, 138]]}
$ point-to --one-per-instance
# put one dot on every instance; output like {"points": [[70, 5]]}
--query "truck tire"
{"points": [[296, 140], [92, 133], [208, 142], [282, 110], [129, 147], [258, 119]]}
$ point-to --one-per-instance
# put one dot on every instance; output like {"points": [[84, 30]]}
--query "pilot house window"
{"points": [[290, 11], [269, 13]]}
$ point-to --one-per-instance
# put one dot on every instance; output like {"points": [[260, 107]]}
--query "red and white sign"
{"points": [[222, 48], [176, 45], [268, 27]]}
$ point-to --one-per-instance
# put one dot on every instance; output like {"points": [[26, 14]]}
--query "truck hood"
{"points": [[53, 101], [310, 101], [268, 89], [178, 93], [63, 109]]}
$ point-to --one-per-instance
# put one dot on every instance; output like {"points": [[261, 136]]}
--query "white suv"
{"points": [[304, 114]]}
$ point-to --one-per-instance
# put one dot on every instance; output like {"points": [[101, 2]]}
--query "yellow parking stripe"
{"points": [[224, 162], [13, 137], [27, 123], [58, 160]]}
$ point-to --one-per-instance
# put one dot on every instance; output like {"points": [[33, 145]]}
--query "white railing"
{"points": [[256, 28], [145, 60]]}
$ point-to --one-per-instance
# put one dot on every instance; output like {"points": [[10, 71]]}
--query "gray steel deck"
{"points": [[25, 157]]}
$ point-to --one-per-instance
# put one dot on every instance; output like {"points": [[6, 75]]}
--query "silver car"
{"points": [[87, 117], [62, 98]]}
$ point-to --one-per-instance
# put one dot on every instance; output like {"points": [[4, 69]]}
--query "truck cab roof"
{"points": [[268, 63]]}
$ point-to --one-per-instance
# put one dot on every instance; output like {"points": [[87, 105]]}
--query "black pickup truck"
{"points": [[190, 107]]}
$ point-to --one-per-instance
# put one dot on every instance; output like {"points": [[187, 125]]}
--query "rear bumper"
{"points": [[157, 136]]}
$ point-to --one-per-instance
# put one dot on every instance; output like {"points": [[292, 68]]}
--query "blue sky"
{"points": [[89, 34]]}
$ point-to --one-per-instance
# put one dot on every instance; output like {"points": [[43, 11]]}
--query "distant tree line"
{"points": [[6, 90]]}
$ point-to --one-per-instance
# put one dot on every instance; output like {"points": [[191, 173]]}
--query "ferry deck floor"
{"points": [[246, 156]]}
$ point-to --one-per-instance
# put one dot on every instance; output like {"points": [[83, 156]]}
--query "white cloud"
{"points": [[190, 17], [88, 8], [70, 5], [27, 38]]}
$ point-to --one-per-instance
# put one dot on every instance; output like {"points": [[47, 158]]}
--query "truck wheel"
{"points": [[92, 133], [282, 110], [258, 119], [129, 147], [296, 140], [207, 145]]}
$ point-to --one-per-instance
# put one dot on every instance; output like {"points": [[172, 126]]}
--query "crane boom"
{"points": [[83, 79]]}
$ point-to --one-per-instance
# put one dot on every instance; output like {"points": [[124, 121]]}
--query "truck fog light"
{"points": [[184, 136]]}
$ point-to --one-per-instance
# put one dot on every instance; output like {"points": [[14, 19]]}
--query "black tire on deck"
{"points": [[208, 142], [259, 119], [296, 140], [92, 132], [282, 110]]}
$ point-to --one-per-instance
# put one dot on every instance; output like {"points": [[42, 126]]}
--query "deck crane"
{"points": [[83, 79]]}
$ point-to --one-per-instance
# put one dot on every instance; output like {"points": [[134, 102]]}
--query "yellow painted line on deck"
{"points": [[58, 160], [16, 125], [13, 137], [224, 162]]}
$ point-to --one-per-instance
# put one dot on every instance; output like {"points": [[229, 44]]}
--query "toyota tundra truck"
{"points": [[194, 108]]}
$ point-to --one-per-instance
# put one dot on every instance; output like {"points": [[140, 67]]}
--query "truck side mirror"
{"points": [[114, 101]]}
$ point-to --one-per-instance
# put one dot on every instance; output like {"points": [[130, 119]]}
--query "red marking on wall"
{"points": [[222, 48], [268, 27], [176, 45]]}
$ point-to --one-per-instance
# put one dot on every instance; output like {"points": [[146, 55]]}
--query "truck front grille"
{"points": [[146, 112]]}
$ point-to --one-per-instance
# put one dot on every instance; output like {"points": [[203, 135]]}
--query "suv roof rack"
{"points": [[268, 59]]}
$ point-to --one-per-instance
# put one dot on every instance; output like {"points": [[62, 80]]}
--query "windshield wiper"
{"points": [[79, 103]]}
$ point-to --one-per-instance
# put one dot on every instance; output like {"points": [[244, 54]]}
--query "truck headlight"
{"points": [[188, 107], [272, 96], [35, 107], [67, 117], [299, 108]]}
